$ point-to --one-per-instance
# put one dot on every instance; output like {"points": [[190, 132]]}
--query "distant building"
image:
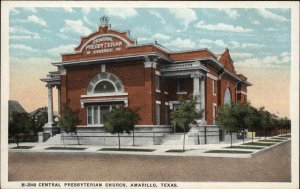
{"points": [[15, 106], [108, 69]]}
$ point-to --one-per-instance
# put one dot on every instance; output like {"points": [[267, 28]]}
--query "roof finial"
{"points": [[104, 21]]}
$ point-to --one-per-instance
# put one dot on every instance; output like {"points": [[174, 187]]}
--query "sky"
{"points": [[259, 41]]}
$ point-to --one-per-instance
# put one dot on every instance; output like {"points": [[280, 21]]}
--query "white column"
{"points": [[202, 96], [50, 106], [196, 90], [58, 99]]}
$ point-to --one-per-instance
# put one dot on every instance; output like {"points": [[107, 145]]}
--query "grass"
{"points": [[288, 136], [246, 147], [176, 150], [259, 144], [270, 140], [229, 151], [64, 148], [279, 138], [22, 147], [127, 149]]}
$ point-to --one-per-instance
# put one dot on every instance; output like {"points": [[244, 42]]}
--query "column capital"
{"points": [[58, 86], [195, 75], [150, 64]]}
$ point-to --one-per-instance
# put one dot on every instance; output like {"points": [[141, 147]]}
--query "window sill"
{"points": [[103, 94], [158, 91], [86, 126], [184, 92], [166, 93]]}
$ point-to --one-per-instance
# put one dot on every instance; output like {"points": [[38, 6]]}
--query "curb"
{"points": [[268, 148]]}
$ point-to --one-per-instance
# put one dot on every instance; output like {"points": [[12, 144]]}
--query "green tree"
{"points": [[69, 120], [227, 120], [286, 124], [120, 120], [38, 120], [19, 126], [244, 115], [265, 120], [184, 115], [254, 116]]}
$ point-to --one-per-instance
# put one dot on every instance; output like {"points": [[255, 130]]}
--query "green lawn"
{"points": [[288, 136], [22, 147], [279, 138], [246, 147], [259, 144], [270, 140], [229, 151], [176, 150], [64, 148], [127, 149]]}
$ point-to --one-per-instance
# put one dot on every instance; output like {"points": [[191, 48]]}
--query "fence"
{"points": [[24, 137]]}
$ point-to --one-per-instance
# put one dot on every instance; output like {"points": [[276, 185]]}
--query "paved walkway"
{"points": [[158, 150]]}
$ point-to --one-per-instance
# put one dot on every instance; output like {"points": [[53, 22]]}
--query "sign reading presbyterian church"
{"points": [[103, 45]]}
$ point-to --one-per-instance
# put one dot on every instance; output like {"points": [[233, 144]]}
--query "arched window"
{"points": [[105, 83], [227, 97], [104, 87]]}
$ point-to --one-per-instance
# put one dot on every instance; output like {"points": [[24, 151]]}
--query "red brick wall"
{"points": [[137, 80], [226, 82]]}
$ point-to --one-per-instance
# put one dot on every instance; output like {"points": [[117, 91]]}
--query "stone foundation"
{"points": [[143, 135]]}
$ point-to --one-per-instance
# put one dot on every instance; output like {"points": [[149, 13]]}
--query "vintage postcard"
{"points": [[149, 94]]}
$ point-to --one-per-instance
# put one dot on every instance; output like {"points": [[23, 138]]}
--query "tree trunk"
{"points": [[243, 136], [183, 138], [231, 139], [119, 141], [62, 136], [77, 137], [17, 139], [265, 134], [133, 137], [260, 133]]}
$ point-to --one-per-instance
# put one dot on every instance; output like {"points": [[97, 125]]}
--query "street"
{"points": [[270, 166]]}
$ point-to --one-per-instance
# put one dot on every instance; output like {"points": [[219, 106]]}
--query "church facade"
{"points": [[109, 68]]}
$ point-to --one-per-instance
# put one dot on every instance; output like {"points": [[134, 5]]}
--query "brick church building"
{"points": [[109, 68]]}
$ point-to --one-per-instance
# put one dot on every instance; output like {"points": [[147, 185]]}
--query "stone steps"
{"points": [[56, 139]]}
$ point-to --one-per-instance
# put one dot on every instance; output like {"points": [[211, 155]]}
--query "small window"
{"points": [[104, 87], [96, 115], [214, 114], [227, 97], [181, 85], [89, 116], [157, 83], [213, 87]]}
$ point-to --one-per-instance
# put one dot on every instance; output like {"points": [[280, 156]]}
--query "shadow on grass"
{"points": [[127, 149], [22, 147], [270, 140], [229, 151], [279, 138], [176, 150], [245, 147], [64, 148], [259, 144]]}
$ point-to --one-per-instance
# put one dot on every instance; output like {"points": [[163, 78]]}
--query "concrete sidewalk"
{"points": [[158, 150]]}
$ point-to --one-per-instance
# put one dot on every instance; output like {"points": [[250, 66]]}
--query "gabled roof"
{"points": [[15, 106]]}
